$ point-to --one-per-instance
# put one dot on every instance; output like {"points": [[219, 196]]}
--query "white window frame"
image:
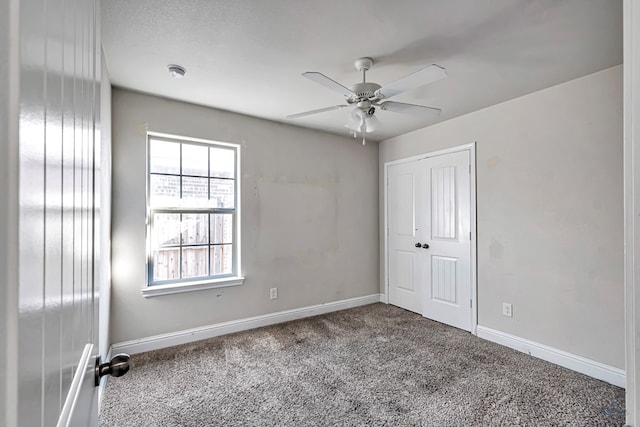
{"points": [[188, 285]]}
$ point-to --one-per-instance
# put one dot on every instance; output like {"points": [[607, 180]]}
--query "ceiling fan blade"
{"points": [[416, 110], [421, 77], [327, 82], [319, 110]]}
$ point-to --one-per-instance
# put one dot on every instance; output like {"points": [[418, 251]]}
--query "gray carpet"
{"points": [[376, 365]]}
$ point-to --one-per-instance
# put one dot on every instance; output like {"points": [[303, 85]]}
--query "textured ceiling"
{"points": [[247, 55]]}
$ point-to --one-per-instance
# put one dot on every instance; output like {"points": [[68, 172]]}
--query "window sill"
{"points": [[178, 288]]}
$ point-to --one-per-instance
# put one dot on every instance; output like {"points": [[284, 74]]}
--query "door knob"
{"points": [[116, 367], [418, 245], [425, 246]]}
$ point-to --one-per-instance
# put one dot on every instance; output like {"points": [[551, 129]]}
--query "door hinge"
{"points": [[470, 303], [469, 235], [469, 169]]}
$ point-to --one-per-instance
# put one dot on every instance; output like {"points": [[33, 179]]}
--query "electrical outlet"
{"points": [[273, 293], [507, 309]]}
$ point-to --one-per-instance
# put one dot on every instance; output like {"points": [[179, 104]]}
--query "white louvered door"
{"points": [[429, 237]]}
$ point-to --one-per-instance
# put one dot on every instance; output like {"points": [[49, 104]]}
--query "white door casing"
{"points": [[430, 200], [631, 31]]}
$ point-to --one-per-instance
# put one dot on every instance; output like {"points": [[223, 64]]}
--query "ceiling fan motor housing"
{"points": [[364, 91]]}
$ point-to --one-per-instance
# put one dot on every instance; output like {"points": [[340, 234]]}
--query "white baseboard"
{"points": [[571, 361], [186, 336]]}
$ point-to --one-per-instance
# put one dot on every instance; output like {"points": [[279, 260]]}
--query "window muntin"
{"points": [[192, 205]]}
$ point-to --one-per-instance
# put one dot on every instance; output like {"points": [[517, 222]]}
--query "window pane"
{"points": [[166, 264], [222, 228], [194, 261], [165, 190], [194, 160], [222, 163], [166, 230], [164, 157], [194, 191], [222, 193], [195, 228], [221, 259]]}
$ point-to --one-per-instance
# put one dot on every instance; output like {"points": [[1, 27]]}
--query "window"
{"points": [[192, 204]]}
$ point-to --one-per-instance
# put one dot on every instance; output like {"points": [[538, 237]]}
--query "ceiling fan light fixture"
{"points": [[176, 71], [358, 120], [372, 123], [355, 119]]}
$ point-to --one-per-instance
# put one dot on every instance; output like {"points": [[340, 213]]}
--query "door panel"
{"points": [[429, 202], [404, 187], [443, 196], [444, 280], [404, 265]]}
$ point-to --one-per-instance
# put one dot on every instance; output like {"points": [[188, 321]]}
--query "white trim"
{"points": [[384, 298], [177, 288], [457, 148], [9, 212], [631, 101], [190, 139], [385, 231], [471, 147], [157, 342], [562, 358], [474, 238]]}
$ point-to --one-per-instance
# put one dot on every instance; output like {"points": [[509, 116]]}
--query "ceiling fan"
{"points": [[369, 96]]}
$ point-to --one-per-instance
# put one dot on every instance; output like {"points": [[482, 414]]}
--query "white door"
{"points": [[429, 237], [57, 92], [447, 262], [404, 257]]}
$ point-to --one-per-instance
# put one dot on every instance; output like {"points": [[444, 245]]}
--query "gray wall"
{"points": [[549, 206], [309, 217]]}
